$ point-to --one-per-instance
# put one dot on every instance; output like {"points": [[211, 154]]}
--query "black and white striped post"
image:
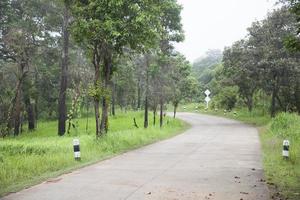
{"points": [[76, 146], [286, 148]]}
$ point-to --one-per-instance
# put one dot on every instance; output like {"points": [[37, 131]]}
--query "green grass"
{"points": [[257, 117], [283, 176], [36, 156]]}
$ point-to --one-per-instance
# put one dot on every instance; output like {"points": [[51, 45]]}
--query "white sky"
{"points": [[214, 24]]}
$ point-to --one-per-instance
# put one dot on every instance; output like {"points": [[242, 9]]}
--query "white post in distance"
{"points": [[207, 98], [286, 148], [76, 146]]}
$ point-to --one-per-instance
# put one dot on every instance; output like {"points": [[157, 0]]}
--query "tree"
{"points": [[106, 28], [181, 80], [62, 108], [21, 34], [261, 62], [275, 63], [240, 69]]}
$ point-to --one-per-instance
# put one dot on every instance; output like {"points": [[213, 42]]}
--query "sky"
{"points": [[214, 24]]}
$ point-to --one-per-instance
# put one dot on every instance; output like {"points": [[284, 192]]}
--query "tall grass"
{"points": [[37, 155], [284, 174]]}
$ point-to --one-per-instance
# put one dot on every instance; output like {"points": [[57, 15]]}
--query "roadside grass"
{"points": [[35, 156], [257, 117], [283, 176]]}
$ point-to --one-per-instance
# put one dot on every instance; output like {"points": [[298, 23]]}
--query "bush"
{"points": [[227, 98]]}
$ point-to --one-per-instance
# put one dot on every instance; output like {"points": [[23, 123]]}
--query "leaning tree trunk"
{"points": [[105, 101], [16, 108], [161, 113], [62, 108]]}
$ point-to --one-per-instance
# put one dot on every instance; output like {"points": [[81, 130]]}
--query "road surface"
{"points": [[215, 159]]}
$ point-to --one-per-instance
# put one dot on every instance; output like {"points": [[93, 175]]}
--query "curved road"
{"points": [[215, 159]]}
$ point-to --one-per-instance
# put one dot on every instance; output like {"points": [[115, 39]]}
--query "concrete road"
{"points": [[216, 159]]}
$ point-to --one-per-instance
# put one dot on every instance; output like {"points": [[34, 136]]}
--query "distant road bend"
{"points": [[217, 159]]}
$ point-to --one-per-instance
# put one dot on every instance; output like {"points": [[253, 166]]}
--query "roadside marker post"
{"points": [[286, 148], [207, 98], [76, 146]]}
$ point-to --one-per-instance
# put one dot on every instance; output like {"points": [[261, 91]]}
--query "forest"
{"points": [[95, 68], [59, 62], [61, 58]]}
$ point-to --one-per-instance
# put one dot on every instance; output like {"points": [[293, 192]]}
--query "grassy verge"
{"points": [[36, 156], [283, 176]]}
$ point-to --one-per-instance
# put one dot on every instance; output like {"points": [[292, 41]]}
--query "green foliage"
{"points": [[121, 23], [292, 42], [98, 91], [257, 64], [227, 98]]}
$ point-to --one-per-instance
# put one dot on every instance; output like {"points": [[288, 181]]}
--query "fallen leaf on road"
{"points": [[244, 192]]}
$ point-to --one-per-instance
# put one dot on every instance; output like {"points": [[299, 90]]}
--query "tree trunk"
{"points": [[113, 99], [28, 105], [97, 116], [161, 113], [62, 108], [105, 103], [250, 104], [36, 101], [30, 113], [96, 99], [17, 110], [146, 112], [139, 95], [175, 109], [147, 92], [87, 115], [154, 115], [273, 103]]}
